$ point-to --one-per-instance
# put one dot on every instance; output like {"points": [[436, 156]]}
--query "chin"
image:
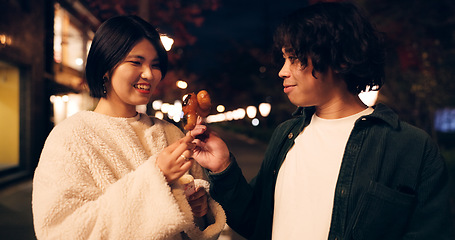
{"points": [[299, 103], [138, 103], [303, 104]]}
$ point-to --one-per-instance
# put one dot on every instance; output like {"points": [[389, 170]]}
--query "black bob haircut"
{"points": [[337, 36], [113, 40]]}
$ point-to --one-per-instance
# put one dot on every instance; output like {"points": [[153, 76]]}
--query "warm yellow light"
{"points": [[238, 114], [264, 109], [165, 107], [156, 105], [5, 40], [159, 115], [251, 111], [181, 84], [220, 108], [79, 61], [220, 117], [2, 39], [167, 42]]}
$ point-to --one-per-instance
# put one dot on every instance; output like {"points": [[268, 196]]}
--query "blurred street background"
{"points": [[223, 46]]}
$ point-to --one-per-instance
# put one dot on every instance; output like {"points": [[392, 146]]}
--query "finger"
{"points": [[184, 158], [190, 134], [198, 130], [199, 213], [203, 211], [186, 165], [187, 155], [198, 142], [200, 210], [186, 139], [183, 169], [181, 148], [198, 194]]}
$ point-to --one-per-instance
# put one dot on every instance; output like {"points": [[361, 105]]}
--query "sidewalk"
{"points": [[16, 212]]}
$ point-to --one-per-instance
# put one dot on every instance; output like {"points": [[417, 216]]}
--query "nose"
{"points": [[147, 73], [284, 72]]}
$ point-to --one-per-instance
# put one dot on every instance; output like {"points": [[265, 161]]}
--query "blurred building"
{"points": [[43, 47]]}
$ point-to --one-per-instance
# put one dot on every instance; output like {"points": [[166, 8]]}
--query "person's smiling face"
{"points": [[136, 77], [301, 87]]}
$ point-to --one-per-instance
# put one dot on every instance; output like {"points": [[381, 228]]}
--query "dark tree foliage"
{"points": [[421, 55], [171, 17]]}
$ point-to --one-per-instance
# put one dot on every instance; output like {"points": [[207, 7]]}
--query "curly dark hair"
{"points": [[337, 36]]}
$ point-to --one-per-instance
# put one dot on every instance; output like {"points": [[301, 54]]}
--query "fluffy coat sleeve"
{"points": [[95, 181]]}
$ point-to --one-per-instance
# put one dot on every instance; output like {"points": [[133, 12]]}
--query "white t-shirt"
{"points": [[305, 187]]}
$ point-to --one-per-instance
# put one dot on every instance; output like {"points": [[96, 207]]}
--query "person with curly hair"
{"points": [[338, 169]]}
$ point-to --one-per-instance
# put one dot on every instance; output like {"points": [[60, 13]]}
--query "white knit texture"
{"points": [[95, 180]]}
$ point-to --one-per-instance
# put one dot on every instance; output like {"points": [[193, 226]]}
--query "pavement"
{"points": [[16, 222]]}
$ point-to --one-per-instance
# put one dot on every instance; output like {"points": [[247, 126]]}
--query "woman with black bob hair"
{"points": [[113, 173], [113, 41]]}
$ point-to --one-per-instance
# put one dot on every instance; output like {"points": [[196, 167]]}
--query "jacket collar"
{"points": [[385, 114], [381, 112], [304, 111]]}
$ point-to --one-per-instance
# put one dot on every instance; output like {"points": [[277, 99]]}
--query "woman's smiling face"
{"points": [[135, 78]]}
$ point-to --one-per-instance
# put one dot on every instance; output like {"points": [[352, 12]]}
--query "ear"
{"points": [[106, 77]]}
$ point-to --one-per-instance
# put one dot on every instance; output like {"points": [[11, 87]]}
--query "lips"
{"points": [[287, 88], [142, 87]]}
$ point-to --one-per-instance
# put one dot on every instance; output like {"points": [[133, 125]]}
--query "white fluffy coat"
{"points": [[95, 180]]}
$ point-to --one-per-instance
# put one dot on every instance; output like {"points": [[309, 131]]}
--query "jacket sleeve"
{"points": [[431, 219], [232, 191]]}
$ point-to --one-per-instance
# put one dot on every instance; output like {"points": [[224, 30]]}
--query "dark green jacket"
{"points": [[393, 183]]}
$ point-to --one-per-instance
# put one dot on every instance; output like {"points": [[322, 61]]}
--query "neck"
{"points": [[115, 110], [340, 107]]}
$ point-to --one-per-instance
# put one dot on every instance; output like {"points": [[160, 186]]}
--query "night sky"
{"points": [[238, 23]]}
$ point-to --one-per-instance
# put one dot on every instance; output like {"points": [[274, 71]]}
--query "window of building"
{"points": [[9, 115], [69, 44], [72, 40]]}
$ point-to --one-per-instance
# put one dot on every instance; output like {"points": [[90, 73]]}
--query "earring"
{"points": [[105, 79]]}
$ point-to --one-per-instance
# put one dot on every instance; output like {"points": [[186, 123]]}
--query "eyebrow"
{"points": [[135, 56], [157, 59]]}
